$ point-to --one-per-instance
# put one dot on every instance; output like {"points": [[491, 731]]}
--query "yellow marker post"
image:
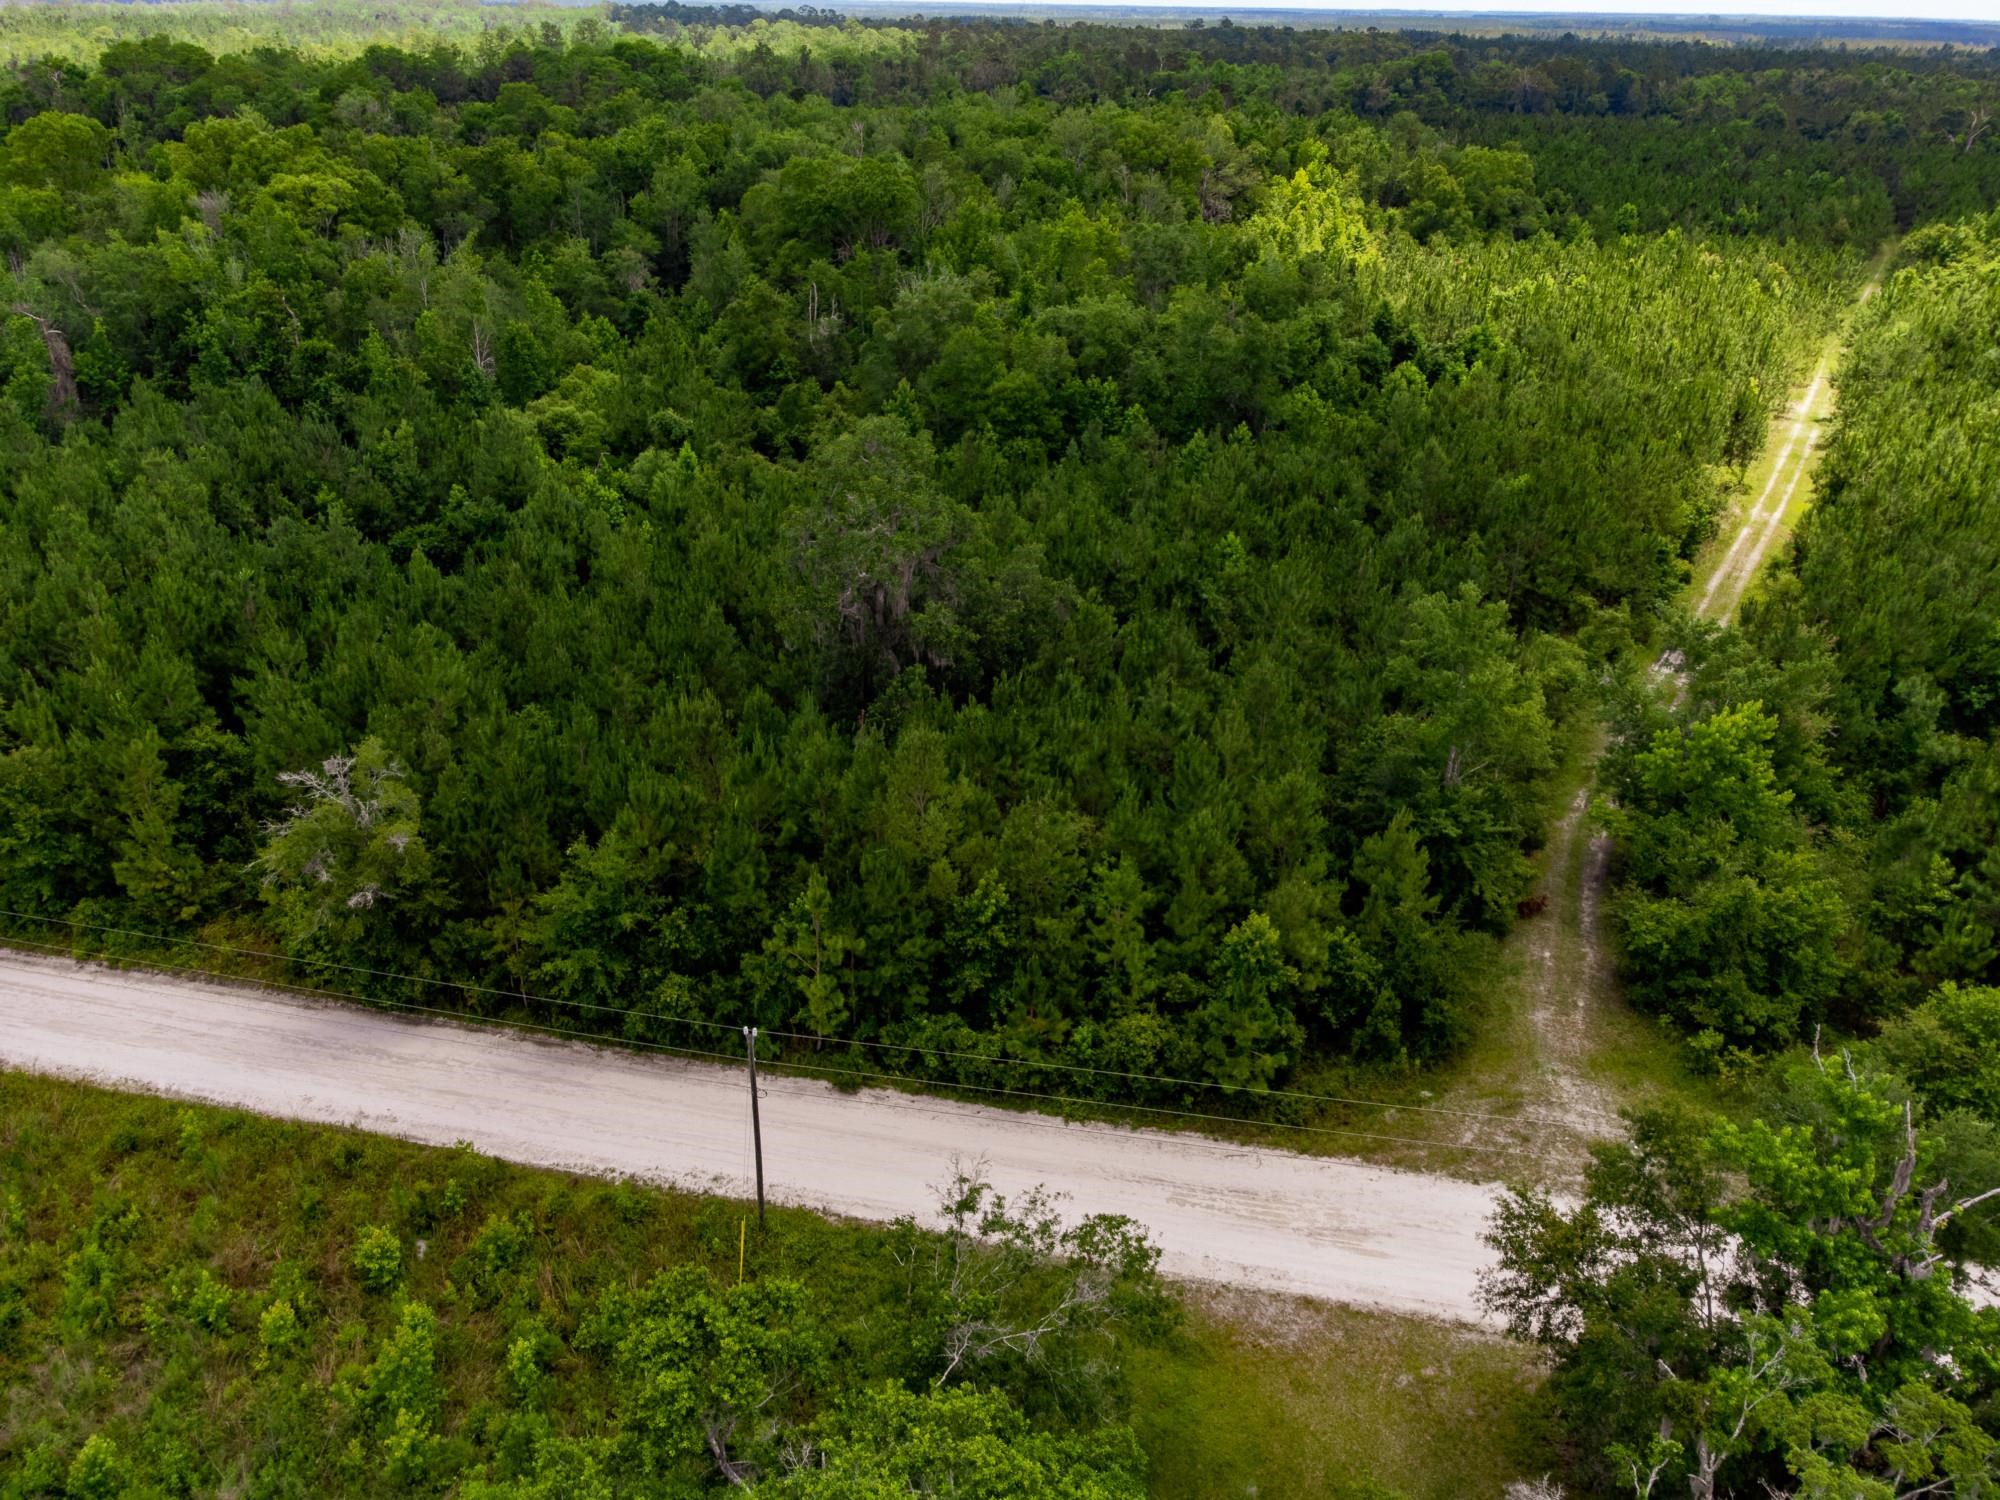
{"points": [[742, 1228]]}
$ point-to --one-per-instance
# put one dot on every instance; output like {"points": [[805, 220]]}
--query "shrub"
{"points": [[206, 1301], [499, 1245], [90, 1288], [378, 1259], [277, 1331], [96, 1473]]}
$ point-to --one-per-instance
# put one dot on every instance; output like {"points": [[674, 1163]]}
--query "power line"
{"points": [[1067, 1101], [1195, 1083], [328, 963], [907, 1102], [1079, 1069], [469, 1018]]}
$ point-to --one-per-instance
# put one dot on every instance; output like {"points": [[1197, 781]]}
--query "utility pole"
{"points": [[756, 1125]]}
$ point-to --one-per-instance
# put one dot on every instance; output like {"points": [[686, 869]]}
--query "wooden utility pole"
{"points": [[756, 1125]]}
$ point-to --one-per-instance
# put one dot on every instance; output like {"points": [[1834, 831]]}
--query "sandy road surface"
{"points": [[1764, 522], [1739, 565], [1249, 1217]]}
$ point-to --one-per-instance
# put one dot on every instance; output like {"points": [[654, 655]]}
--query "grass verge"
{"points": [[144, 1244], [1284, 1400]]}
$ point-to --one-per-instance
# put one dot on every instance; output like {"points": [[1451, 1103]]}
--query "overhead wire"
{"points": [[1194, 1083], [525, 996], [599, 1039], [328, 963]]}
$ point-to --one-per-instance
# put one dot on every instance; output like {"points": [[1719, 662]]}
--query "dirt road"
{"points": [[1791, 451], [1250, 1217], [1570, 1049]]}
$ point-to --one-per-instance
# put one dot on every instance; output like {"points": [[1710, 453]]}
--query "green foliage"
{"points": [[556, 1338], [812, 953], [205, 1301], [350, 843], [1810, 831], [783, 525], [1734, 1305], [96, 1473], [1730, 924], [154, 49], [399, 1398], [277, 1330], [702, 1369], [968, 1443], [378, 1259], [526, 1365], [1011, 1296], [1948, 1049]]}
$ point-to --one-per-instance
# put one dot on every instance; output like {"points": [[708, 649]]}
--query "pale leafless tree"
{"points": [[361, 802], [62, 390], [1013, 1279], [1978, 122], [1922, 1258]]}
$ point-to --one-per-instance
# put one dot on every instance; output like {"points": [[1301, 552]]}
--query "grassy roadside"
{"points": [[1272, 1397], [143, 1244]]}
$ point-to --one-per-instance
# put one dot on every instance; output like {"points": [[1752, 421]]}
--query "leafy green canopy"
{"points": [[969, 571], [1734, 1309], [1812, 831]]}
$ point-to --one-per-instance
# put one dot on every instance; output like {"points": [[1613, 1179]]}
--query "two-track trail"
{"points": [[1568, 1052], [1791, 452]]}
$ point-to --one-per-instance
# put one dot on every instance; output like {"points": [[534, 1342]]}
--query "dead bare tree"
{"points": [[352, 835], [1977, 123], [717, 1433], [62, 390], [1920, 1259], [1007, 1278], [334, 782]]}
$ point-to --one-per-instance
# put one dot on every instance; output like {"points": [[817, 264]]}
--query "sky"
{"points": [[1914, 10]]}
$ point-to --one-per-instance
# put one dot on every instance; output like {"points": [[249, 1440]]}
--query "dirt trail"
{"points": [[1571, 971], [1765, 521], [1566, 987], [1538, 1084], [1262, 1219], [1739, 565]]}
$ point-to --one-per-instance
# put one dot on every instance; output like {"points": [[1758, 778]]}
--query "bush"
{"points": [[378, 1259], [400, 1397], [206, 1301], [1948, 1049], [97, 1473], [277, 1331]]}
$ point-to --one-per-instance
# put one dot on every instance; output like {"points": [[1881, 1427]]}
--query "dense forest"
{"points": [[1100, 581], [1063, 556], [1812, 824]]}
